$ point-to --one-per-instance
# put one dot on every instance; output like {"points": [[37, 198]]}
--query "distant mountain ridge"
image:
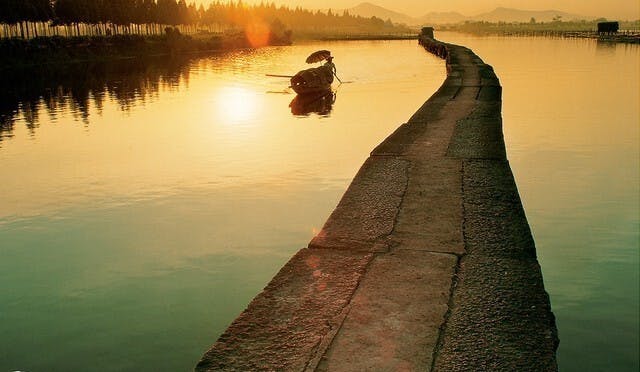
{"points": [[500, 14], [371, 10], [437, 18], [518, 15]]}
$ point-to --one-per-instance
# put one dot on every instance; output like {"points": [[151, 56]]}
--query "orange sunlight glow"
{"points": [[257, 33], [313, 262], [320, 279]]}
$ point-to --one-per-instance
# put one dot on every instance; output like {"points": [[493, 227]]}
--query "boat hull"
{"points": [[312, 81]]}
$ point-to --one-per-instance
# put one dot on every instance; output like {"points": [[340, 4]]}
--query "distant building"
{"points": [[428, 32], [608, 27]]}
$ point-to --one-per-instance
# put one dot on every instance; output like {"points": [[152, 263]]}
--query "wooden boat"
{"points": [[313, 80]]}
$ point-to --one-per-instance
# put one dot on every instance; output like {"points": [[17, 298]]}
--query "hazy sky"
{"points": [[622, 9]]}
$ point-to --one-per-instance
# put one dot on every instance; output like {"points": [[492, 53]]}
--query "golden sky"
{"points": [[618, 9]]}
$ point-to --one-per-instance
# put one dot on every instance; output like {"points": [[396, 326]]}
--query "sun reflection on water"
{"points": [[236, 104]]}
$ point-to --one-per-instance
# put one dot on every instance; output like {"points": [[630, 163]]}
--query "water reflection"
{"points": [[74, 88], [605, 48], [318, 103]]}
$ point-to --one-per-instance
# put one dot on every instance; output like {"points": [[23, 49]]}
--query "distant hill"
{"points": [[517, 15], [437, 18], [371, 10]]}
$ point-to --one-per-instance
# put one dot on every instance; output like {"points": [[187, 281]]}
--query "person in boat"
{"points": [[330, 65]]}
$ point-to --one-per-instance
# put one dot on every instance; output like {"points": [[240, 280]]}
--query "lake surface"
{"points": [[571, 123], [145, 203]]}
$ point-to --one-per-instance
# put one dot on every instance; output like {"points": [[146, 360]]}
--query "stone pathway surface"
{"points": [[426, 264]]}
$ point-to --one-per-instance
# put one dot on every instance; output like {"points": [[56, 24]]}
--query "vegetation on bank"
{"points": [[33, 32], [32, 18], [16, 52]]}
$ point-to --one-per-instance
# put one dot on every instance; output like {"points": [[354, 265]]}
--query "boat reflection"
{"points": [[320, 103]]}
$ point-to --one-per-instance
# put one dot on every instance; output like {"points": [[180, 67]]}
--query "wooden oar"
{"points": [[282, 76]]}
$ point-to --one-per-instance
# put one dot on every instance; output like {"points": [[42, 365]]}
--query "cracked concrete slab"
{"points": [[480, 134], [431, 213], [395, 315], [366, 214], [499, 318]]}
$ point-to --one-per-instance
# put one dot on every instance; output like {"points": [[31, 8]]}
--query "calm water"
{"points": [[144, 204], [572, 122]]}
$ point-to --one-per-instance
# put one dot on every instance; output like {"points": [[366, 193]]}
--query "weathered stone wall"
{"points": [[426, 264]]}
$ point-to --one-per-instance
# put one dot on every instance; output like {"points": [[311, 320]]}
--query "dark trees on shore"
{"points": [[19, 17], [32, 18]]}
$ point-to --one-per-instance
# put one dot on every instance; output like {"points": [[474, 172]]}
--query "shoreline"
{"points": [[357, 37], [57, 51], [621, 37], [53, 51]]}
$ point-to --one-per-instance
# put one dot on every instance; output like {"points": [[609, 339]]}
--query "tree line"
{"points": [[32, 18]]}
